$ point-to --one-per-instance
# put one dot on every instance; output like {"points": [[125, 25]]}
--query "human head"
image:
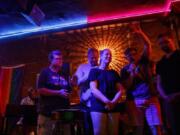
{"points": [[131, 54], [165, 41], [105, 56], [93, 56], [55, 58], [32, 92]]}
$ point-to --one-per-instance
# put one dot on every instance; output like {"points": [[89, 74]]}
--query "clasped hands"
{"points": [[110, 105]]}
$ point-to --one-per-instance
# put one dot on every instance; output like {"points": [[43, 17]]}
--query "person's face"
{"points": [[33, 94], [93, 58], [106, 57], [166, 44], [57, 60], [132, 56]]}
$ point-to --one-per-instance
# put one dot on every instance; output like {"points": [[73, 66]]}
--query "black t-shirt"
{"points": [[107, 80], [53, 81], [169, 71]]}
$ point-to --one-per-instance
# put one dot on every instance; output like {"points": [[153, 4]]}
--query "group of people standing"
{"points": [[102, 88]]}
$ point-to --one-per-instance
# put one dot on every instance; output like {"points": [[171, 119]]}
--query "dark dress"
{"points": [[107, 80]]}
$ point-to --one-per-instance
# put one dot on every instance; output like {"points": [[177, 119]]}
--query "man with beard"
{"points": [[168, 80]]}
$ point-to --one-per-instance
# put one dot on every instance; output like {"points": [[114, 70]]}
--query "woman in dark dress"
{"points": [[106, 94]]}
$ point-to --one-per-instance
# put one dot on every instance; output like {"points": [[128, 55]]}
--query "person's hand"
{"points": [[74, 80], [147, 103], [131, 68], [173, 98], [64, 93], [110, 105]]}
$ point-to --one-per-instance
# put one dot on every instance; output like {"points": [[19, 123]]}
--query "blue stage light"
{"points": [[48, 27]]}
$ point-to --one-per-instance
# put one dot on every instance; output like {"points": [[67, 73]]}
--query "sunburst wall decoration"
{"points": [[75, 43]]}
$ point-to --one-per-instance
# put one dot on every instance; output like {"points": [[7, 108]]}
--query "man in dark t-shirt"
{"points": [[168, 80], [53, 88]]}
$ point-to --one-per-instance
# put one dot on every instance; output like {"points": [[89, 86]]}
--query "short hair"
{"points": [[130, 49], [30, 90], [52, 53], [92, 50]]}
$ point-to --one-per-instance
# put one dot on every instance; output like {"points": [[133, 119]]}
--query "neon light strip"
{"points": [[42, 29], [175, 1], [156, 10], [117, 17], [84, 21]]}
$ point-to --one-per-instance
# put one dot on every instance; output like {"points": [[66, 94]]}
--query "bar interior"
{"points": [[89, 67]]}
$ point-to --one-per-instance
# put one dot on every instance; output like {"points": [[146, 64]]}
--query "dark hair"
{"points": [[55, 52], [128, 50], [92, 50], [30, 90], [165, 34]]}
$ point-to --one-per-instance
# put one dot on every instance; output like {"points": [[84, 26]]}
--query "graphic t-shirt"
{"points": [[52, 81]]}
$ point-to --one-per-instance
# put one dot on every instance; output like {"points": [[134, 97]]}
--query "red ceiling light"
{"points": [[104, 10]]}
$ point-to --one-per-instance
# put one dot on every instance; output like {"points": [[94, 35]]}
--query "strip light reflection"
{"points": [[175, 1], [116, 17], [21, 32], [136, 13], [86, 20]]}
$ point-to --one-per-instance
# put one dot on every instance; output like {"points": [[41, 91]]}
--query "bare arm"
{"points": [[82, 79], [169, 98], [97, 93], [118, 95], [147, 43], [48, 92], [160, 88], [86, 95], [174, 96], [81, 75], [117, 98]]}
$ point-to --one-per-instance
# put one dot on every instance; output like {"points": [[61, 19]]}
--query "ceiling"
{"points": [[27, 17]]}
